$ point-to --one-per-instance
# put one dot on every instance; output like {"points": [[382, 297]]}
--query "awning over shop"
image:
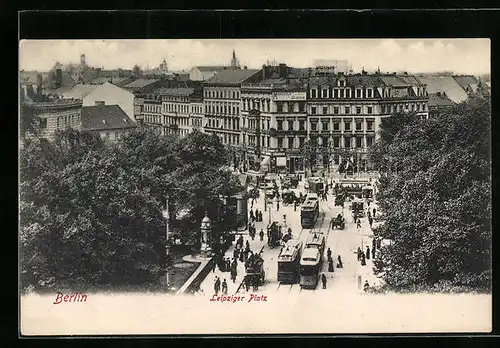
{"points": [[281, 161], [265, 161]]}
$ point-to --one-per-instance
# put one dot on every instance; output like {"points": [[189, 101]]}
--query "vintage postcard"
{"points": [[255, 186]]}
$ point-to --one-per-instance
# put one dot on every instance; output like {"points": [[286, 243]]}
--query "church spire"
{"points": [[234, 62]]}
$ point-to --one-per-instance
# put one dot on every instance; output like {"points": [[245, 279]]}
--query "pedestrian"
{"points": [[358, 223], [224, 287], [260, 216], [252, 217], [217, 285], [235, 253], [242, 257], [261, 235], [213, 266], [234, 267], [370, 221], [374, 212], [366, 286], [323, 280], [228, 264], [247, 247], [367, 252], [329, 254], [251, 205], [363, 259], [330, 266], [359, 253], [339, 262], [294, 205]]}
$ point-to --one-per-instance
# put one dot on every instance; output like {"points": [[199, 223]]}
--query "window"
{"points": [[359, 126], [280, 143], [325, 126], [290, 125], [58, 122], [279, 107], [370, 109], [347, 110], [358, 109], [100, 103], [314, 126], [290, 143], [369, 93], [336, 110], [369, 141], [324, 141], [302, 125], [325, 110], [324, 93], [313, 110], [43, 123], [358, 141], [301, 107], [347, 142], [314, 93], [336, 125], [301, 142], [336, 142], [280, 125], [268, 124], [347, 125], [369, 125]]}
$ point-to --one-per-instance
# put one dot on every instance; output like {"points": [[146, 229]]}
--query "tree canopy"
{"points": [[435, 196], [91, 213]]}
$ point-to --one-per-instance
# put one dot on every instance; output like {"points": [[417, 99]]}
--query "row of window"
{"points": [[174, 107], [296, 143], [360, 93], [327, 110], [175, 99], [154, 108], [325, 126], [411, 107], [221, 94], [222, 108], [65, 121], [225, 123]]}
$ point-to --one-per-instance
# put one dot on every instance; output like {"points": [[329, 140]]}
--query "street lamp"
{"points": [[166, 215]]}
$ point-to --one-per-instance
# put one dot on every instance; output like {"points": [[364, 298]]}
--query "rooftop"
{"points": [[79, 91], [212, 68], [102, 117], [467, 81], [232, 76], [139, 83], [445, 84], [439, 99], [175, 92]]}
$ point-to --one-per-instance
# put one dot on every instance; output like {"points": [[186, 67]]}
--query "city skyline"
{"points": [[460, 56]]}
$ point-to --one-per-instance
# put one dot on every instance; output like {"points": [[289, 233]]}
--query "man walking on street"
{"points": [[358, 223], [367, 252], [224, 287], [217, 285], [323, 280]]}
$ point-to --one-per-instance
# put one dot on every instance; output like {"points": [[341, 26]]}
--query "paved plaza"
{"points": [[341, 242]]}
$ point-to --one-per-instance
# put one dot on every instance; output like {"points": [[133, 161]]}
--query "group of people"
{"points": [[363, 255], [330, 261], [218, 285], [257, 216]]}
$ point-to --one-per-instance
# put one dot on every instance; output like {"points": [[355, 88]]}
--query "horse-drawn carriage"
{"points": [[340, 199], [289, 197], [338, 221], [254, 269], [274, 235]]}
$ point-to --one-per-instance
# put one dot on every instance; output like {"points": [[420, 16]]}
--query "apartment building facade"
{"points": [[345, 111]]}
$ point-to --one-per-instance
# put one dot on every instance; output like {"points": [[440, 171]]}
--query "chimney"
{"points": [[438, 94], [58, 78], [245, 67], [364, 72]]}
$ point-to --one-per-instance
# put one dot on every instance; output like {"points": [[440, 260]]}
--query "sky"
{"points": [[461, 56]]}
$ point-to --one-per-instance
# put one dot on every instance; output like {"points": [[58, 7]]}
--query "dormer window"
{"points": [[369, 93], [359, 93], [342, 83]]}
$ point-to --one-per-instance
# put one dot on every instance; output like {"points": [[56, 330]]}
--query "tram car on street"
{"points": [[316, 239], [309, 212], [274, 235], [357, 208], [310, 267], [289, 262], [316, 185], [338, 221]]}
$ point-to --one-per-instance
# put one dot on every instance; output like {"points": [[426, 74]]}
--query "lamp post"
{"points": [[166, 215]]}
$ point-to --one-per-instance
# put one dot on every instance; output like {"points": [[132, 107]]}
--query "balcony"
{"points": [[359, 131]]}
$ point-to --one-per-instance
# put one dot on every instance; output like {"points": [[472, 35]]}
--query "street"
{"points": [[341, 242]]}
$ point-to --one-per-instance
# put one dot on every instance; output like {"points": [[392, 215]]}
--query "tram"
{"points": [[316, 185], [288, 262], [368, 192], [316, 239], [310, 267], [309, 212], [357, 208]]}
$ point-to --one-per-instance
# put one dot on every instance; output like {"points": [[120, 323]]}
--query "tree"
{"points": [[308, 152], [434, 192], [29, 123]]}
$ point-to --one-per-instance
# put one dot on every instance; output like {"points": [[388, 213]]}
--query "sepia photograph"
{"points": [[255, 186]]}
